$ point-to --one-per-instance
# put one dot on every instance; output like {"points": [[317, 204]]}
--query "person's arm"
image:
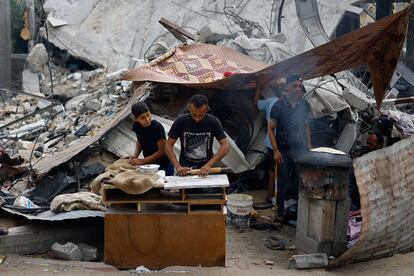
{"points": [[138, 150], [169, 151], [133, 159], [271, 131], [223, 151]]}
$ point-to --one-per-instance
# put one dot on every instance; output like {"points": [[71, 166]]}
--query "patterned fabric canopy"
{"points": [[200, 65]]}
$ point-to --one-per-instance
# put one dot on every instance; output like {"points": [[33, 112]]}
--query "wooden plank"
{"points": [[180, 33], [157, 241], [198, 201], [117, 196], [192, 182]]}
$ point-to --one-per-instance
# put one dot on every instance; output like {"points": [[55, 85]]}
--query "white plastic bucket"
{"points": [[239, 207]]}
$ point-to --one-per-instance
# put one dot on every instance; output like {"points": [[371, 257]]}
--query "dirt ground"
{"points": [[244, 263], [246, 255]]}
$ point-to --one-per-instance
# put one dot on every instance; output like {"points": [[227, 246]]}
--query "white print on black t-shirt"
{"points": [[196, 145]]}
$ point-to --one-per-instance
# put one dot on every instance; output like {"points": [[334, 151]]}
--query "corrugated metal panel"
{"points": [[385, 181], [50, 216]]}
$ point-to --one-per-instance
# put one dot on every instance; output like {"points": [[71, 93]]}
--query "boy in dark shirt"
{"points": [[196, 132], [150, 139]]}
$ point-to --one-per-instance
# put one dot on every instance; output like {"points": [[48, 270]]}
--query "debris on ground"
{"points": [[68, 251], [142, 269], [89, 253], [276, 243], [318, 260], [2, 259], [269, 262], [354, 227]]}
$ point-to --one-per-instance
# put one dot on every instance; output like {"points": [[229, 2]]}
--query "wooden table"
{"points": [[165, 228]]}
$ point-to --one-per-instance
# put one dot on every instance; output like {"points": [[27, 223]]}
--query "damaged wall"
{"points": [[120, 38]]}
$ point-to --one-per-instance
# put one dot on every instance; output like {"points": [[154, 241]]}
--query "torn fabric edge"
{"points": [[202, 66]]}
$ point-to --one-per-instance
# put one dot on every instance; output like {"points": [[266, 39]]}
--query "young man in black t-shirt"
{"points": [[150, 139], [196, 132]]}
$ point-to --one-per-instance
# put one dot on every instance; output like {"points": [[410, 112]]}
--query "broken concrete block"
{"points": [[74, 103], [28, 107], [20, 186], [89, 253], [28, 127], [37, 58], [56, 22], [68, 251], [77, 76], [126, 85], [93, 104], [10, 109], [42, 104], [316, 260], [118, 89], [27, 145], [30, 82], [76, 84]]}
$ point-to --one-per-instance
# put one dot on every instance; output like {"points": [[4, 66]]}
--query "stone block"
{"points": [[93, 104], [37, 58], [89, 253], [30, 82], [308, 261], [68, 251]]}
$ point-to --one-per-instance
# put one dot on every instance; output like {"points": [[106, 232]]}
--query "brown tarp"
{"points": [[199, 65]]}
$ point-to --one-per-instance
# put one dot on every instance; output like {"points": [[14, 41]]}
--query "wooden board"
{"points": [[161, 240], [195, 181]]}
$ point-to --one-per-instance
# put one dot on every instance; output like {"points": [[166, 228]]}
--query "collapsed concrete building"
{"points": [[97, 102]]}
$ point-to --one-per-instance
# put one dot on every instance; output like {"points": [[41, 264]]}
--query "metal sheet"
{"points": [[50, 216], [385, 180]]}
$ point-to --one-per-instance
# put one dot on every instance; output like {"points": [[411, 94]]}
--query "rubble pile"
{"points": [[80, 102]]}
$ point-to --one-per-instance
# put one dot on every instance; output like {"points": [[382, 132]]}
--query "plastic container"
{"points": [[239, 207]]}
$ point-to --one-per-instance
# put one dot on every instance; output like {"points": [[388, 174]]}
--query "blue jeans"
{"points": [[288, 179]]}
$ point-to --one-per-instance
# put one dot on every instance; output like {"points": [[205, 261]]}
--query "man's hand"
{"points": [[135, 161], [183, 171], [204, 170], [277, 156]]}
